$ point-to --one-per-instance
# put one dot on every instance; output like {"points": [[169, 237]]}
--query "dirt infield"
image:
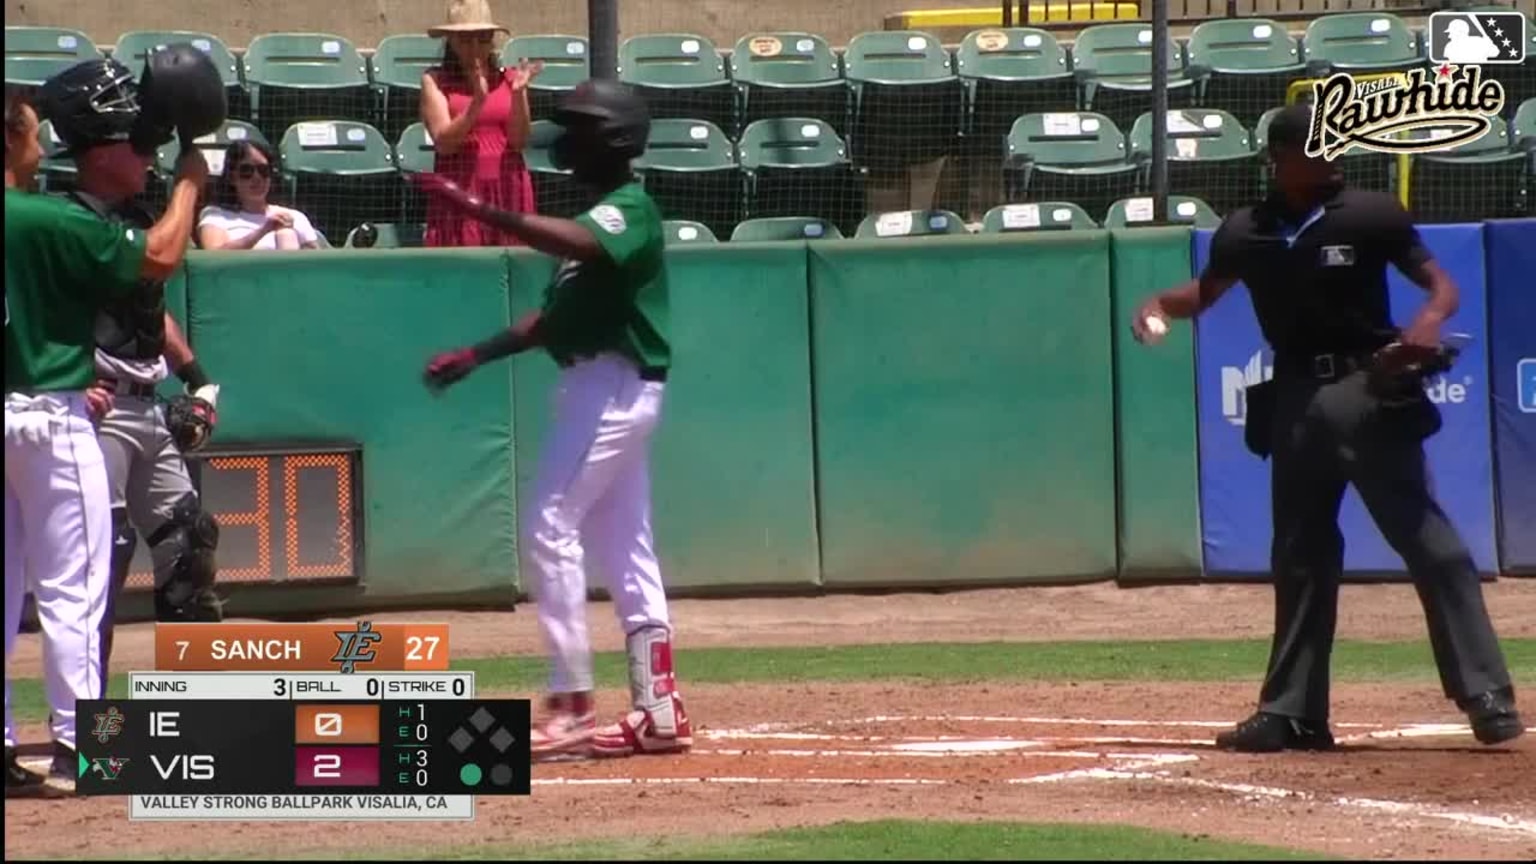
{"points": [[1409, 782]]}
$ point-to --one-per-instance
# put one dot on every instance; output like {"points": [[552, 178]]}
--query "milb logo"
{"points": [[1525, 383], [1464, 38]]}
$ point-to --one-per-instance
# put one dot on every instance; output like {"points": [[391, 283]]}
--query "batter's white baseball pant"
{"points": [[58, 542], [592, 508]]}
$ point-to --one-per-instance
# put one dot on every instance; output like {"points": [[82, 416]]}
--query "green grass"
{"points": [[1208, 660], [884, 840]]}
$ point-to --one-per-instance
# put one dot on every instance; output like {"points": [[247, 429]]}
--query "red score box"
{"points": [[336, 766]]}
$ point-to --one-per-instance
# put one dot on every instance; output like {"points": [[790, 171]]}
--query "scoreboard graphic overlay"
{"points": [[303, 722]]}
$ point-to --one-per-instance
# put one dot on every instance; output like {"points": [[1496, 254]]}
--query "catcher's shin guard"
{"points": [[185, 592], [657, 722]]}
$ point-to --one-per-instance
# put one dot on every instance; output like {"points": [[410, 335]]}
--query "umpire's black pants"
{"points": [[1328, 433]]}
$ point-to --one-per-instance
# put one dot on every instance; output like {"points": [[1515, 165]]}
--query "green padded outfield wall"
{"points": [[1155, 402], [964, 409], [731, 464], [331, 346]]}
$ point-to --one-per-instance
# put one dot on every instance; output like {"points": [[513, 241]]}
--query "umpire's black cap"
{"points": [[1290, 127]]}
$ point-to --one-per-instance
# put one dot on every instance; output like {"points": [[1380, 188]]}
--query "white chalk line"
{"points": [[745, 735], [932, 754], [753, 781]]}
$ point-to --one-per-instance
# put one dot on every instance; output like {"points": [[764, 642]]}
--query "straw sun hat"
{"points": [[467, 16]]}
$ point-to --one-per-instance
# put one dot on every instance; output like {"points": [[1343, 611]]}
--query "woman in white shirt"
{"points": [[241, 217]]}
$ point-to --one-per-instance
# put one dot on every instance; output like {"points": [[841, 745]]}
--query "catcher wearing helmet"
{"points": [[604, 322]]}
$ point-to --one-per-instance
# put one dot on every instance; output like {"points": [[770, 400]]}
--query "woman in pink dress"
{"points": [[477, 114]]}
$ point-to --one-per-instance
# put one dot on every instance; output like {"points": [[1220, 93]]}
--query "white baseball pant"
{"points": [[58, 542], [592, 505]]}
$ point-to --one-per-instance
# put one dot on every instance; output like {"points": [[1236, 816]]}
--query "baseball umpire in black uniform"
{"points": [[1346, 406]]}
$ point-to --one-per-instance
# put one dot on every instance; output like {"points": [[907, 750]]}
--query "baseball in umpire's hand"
{"points": [[448, 368]]}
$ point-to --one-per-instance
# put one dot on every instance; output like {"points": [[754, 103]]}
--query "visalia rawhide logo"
{"points": [[1379, 113]]}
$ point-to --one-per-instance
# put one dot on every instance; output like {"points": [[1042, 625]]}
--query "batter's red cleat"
{"points": [[638, 733], [568, 727]]}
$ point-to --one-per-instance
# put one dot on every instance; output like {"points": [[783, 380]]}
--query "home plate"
{"points": [[967, 746]]}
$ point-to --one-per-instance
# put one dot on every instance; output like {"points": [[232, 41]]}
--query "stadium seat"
{"points": [[1362, 169], [681, 76], [785, 228], [1183, 209], [297, 77], [1113, 65], [341, 173], [133, 47], [388, 235], [1007, 73], [907, 102], [1477, 180], [213, 146], [789, 75], [681, 232], [911, 223], [1244, 65], [1073, 156], [55, 173], [35, 54], [555, 192], [1359, 42], [1522, 133], [567, 63], [799, 165], [1043, 216], [395, 69], [1209, 156], [690, 169], [414, 154]]}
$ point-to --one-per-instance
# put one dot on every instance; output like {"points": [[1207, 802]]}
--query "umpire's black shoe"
{"points": [[1493, 716], [22, 783], [1271, 733]]}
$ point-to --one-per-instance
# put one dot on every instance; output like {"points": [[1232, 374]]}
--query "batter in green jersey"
{"points": [[604, 320]]}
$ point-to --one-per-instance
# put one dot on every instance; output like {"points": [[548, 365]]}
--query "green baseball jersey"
{"points": [[618, 303], [61, 263]]}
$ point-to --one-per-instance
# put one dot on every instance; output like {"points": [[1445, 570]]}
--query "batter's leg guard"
{"points": [[657, 722], [185, 591], [124, 541]]}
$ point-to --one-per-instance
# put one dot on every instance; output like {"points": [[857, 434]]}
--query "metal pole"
{"points": [[1160, 111], [603, 37], [1007, 13]]}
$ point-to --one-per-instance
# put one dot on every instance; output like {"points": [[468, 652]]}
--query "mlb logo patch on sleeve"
{"points": [[1473, 38]]}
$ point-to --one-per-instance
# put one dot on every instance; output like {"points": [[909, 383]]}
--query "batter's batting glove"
{"points": [[449, 368]]}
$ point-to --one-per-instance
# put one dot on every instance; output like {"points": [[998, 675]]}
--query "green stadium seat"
{"points": [[1522, 132], [298, 77], [1359, 42], [1473, 181], [690, 169], [414, 154], [681, 76], [1210, 156], [1244, 65], [1182, 209], [907, 102], [789, 75], [35, 54], [785, 228], [555, 192], [56, 172], [567, 62], [1069, 156], [340, 173], [1362, 169], [396, 67], [390, 235], [1042, 216], [1007, 73], [799, 165], [911, 223], [1113, 65], [681, 232]]}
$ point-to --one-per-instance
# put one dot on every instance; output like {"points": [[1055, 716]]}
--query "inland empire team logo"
{"points": [[356, 646], [108, 725], [1422, 110]]}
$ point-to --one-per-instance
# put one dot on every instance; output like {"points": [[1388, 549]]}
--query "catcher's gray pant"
{"points": [[145, 471]]}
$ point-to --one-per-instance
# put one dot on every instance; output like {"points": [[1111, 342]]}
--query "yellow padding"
{"points": [[920, 19]]}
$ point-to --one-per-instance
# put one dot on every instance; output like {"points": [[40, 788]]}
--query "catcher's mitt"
{"points": [[190, 419]]}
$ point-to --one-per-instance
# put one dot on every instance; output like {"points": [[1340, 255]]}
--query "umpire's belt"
{"points": [[127, 387], [1323, 367]]}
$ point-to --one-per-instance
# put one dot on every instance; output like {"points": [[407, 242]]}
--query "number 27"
{"points": [[414, 645]]}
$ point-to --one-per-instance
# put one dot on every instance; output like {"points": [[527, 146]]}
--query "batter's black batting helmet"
{"points": [[623, 120]]}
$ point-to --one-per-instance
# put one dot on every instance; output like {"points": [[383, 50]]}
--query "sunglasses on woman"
{"points": [[249, 170]]}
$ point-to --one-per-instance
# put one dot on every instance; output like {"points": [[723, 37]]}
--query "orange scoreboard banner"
{"points": [[302, 647]]}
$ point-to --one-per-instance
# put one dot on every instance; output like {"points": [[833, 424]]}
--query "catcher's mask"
{"points": [[94, 103]]}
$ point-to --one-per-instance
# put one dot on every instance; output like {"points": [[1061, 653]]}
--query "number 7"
{"points": [[181, 649]]}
